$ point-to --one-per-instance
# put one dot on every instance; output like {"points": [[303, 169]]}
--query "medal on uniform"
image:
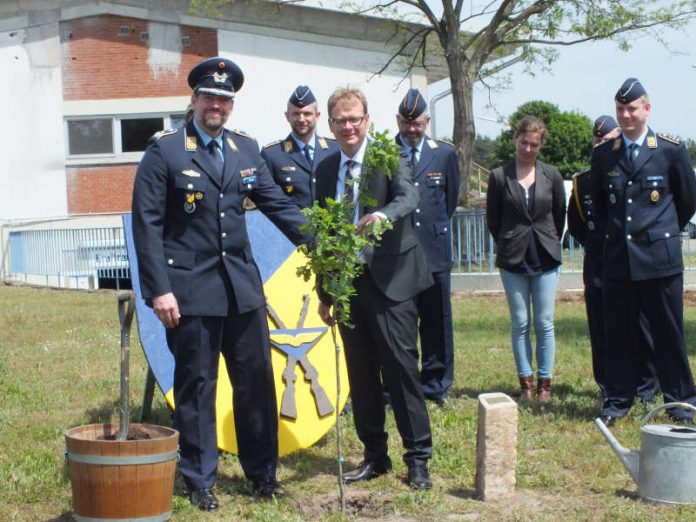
{"points": [[289, 189], [590, 225], [199, 196], [654, 196], [190, 203], [612, 198]]}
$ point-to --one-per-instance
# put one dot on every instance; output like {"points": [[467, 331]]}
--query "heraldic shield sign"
{"points": [[304, 359]]}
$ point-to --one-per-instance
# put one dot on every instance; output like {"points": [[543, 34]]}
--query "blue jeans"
{"points": [[542, 290]]}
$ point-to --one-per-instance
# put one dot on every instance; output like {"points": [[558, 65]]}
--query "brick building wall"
{"points": [[101, 62], [103, 188]]}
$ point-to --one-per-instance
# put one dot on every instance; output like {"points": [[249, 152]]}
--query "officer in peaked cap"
{"points": [[584, 226], [198, 274], [293, 161], [644, 190], [436, 173]]}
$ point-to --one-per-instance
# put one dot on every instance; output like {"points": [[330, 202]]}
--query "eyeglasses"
{"points": [[353, 121], [416, 124]]}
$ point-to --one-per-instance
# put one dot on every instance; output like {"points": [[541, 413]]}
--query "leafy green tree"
{"points": [[568, 141], [483, 152], [691, 147]]}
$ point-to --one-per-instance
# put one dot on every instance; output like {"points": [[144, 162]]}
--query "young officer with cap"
{"points": [[293, 161], [645, 193], [436, 173], [584, 226], [198, 274]]}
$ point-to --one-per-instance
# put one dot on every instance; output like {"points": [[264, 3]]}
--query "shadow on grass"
{"points": [[63, 517], [107, 413]]}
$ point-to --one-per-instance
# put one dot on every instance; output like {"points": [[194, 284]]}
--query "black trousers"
{"points": [[384, 340], [661, 302], [436, 339], [243, 341], [648, 384]]}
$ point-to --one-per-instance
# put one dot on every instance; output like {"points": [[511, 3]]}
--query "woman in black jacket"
{"points": [[525, 210]]}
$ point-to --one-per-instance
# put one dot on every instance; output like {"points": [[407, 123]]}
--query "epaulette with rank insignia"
{"points": [[447, 142], [276, 142], [673, 141], [165, 132], [241, 133]]}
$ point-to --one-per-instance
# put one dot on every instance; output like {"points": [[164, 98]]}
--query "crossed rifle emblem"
{"points": [[296, 343]]}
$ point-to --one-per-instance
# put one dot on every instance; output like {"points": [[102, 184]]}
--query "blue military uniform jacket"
{"points": [[586, 227], [437, 177], [189, 225], [291, 170], [646, 205]]}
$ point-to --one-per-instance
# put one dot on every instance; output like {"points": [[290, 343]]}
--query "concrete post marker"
{"points": [[496, 447]]}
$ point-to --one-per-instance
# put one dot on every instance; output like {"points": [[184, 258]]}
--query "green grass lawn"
{"points": [[59, 357]]}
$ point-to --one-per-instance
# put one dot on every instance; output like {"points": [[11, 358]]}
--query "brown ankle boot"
{"points": [[544, 390], [527, 389]]}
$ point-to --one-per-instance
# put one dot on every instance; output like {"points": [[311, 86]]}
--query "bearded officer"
{"points": [[198, 274], [292, 161], [646, 193], [436, 173]]}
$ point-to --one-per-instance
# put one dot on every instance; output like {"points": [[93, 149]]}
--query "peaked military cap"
{"points": [[631, 90], [413, 105], [302, 96], [604, 125], [218, 76]]}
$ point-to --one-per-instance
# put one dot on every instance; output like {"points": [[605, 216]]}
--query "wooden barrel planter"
{"points": [[122, 480]]}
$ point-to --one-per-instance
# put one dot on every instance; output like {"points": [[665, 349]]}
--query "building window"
{"points": [[135, 132], [116, 135], [90, 136]]}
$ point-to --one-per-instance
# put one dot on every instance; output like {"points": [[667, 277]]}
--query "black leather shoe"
{"points": [[204, 499], [266, 488], [418, 477], [609, 420], [368, 470]]}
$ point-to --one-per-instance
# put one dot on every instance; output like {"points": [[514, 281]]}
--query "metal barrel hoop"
{"points": [[655, 411]]}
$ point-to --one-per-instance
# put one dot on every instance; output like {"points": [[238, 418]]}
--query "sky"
{"points": [[585, 78]]}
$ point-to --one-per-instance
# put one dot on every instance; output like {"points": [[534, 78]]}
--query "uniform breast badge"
{"points": [[655, 196], [190, 203]]}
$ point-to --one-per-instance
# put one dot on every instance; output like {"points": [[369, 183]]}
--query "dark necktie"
{"points": [[632, 154], [348, 186], [214, 151], [307, 154], [413, 157]]}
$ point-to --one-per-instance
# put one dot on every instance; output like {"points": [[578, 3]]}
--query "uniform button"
{"points": [[170, 261], [224, 253], [654, 183], [589, 213], [417, 223], [606, 236], [611, 186], [629, 218], [666, 234], [628, 236], [417, 211], [416, 183], [224, 234], [445, 229], [630, 200], [630, 183], [437, 181], [189, 186], [288, 178], [222, 195], [222, 214]]}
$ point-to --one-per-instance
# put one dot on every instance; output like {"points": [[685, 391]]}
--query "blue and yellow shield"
{"points": [[303, 355]]}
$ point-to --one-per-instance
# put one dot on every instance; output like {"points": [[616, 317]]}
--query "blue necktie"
{"points": [[307, 154], [632, 148], [214, 151]]}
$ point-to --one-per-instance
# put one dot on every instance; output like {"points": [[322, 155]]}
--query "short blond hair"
{"points": [[345, 94]]}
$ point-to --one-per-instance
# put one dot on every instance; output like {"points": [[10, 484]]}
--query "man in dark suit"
{"points": [[384, 311], [646, 193], [584, 226], [436, 174], [198, 274], [292, 161]]}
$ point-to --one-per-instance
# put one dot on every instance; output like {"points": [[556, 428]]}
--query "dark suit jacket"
{"points": [[586, 227], [510, 223], [397, 265], [646, 204], [291, 170], [437, 177], [201, 253]]}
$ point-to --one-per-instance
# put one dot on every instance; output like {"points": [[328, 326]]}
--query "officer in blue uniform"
{"points": [[589, 231], [292, 161], [436, 173], [646, 193], [198, 273]]}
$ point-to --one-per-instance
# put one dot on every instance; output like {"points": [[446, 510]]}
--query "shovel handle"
{"points": [[650, 415], [126, 308]]}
